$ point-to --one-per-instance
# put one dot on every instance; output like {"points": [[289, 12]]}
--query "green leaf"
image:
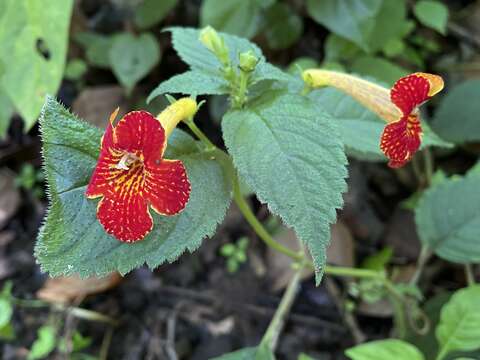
{"points": [[192, 82], [390, 23], [283, 26], [458, 328], [44, 344], [385, 350], [227, 250], [73, 241], [303, 356], [300, 64], [75, 69], [201, 60], [34, 37], [353, 20], [97, 48], [359, 127], [456, 119], [237, 17], [379, 260], [448, 219], [7, 332], [378, 68], [289, 152], [432, 14], [338, 48], [132, 57], [251, 353], [6, 311], [151, 12]]}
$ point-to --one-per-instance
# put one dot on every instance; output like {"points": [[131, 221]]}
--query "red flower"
{"points": [[401, 139], [131, 175], [398, 107]]}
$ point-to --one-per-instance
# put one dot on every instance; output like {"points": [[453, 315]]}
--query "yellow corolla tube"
{"points": [[181, 109], [374, 97]]}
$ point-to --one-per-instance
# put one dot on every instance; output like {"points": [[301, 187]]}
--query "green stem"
{"points": [[75, 311], [425, 254], [200, 135], [30, 303], [469, 274], [272, 334], [257, 225]]}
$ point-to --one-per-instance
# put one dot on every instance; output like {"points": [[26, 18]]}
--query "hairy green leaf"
{"points": [[132, 57], [34, 34], [73, 241], [192, 82], [432, 14], [201, 60], [151, 12], [353, 20], [290, 153], [448, 219], [458, 328], [237, 17], [456, 119], [383, 350]]}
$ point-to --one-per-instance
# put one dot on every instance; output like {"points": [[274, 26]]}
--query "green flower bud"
{"points": [[214, 42], [248, 61]]}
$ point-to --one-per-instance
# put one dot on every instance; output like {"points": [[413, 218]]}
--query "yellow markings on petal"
{"points": [[374, 97], [113, 115], [181, 109], [436, 83]]}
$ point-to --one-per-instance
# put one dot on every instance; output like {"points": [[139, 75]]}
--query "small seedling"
{"points": [[235, 254]]}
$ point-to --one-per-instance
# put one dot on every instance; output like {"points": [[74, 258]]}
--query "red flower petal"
{"points": [[409, 92], [106, 166], [167, 186], [139, 131], [123, 211], [401, 139]]}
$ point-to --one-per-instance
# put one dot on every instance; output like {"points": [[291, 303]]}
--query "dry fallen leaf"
{"points": [[341, 249], [279, 268], [95, 104], [66, 289]]}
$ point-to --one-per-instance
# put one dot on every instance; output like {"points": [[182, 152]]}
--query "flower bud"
{"points": [[215, 43], [248, 61]]}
